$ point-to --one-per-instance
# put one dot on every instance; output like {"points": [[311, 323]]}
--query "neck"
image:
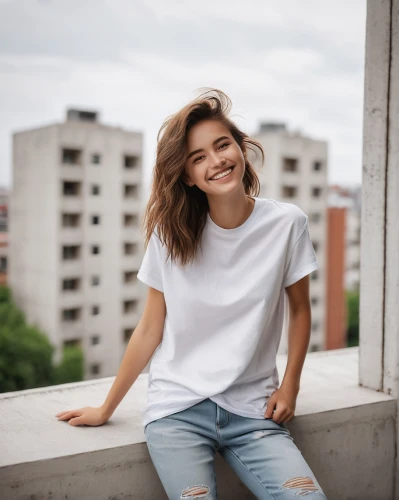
{"points": [[230, 212]]}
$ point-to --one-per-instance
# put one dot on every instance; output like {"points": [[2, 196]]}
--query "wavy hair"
{"points": [[175, 210]]}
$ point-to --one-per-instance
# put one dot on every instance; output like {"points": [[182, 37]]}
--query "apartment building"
{"points": [[295, 171], [75, 239]]}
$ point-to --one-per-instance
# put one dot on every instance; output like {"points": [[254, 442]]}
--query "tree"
{"points": [[352, 302], [71, 367], [26, 353]]}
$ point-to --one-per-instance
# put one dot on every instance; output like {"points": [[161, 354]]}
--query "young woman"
{"points": [[218, 262]]}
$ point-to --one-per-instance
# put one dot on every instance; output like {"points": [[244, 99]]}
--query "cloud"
{"points": [[138, 62]]}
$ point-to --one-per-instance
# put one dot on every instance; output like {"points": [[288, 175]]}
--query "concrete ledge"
{"points": [[345, 432]]}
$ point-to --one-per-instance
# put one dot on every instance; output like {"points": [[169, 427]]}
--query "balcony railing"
{"points": [[345, 432]]}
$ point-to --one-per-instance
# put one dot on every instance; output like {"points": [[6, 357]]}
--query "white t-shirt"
{"points": [[225, 311]]}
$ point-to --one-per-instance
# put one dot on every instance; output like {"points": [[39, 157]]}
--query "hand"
{"points": [[86, 416], [282, 403]]}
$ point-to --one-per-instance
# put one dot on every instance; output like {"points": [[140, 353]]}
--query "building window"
{"points": [[70, 220], [129, 306], [130, 220], [95, 310], [314, 276], [314, 301], [71, 314], [95, 339], [71, 284], [70, 252], [289, 191], [315, 217], [95, 280], [95, 220], [315, 326], [317, 166], [127, 333], [95, 369], [70, 188], [130, 276], [71, 156], [315, 245], [130, 161], [290, 164], [130, 248], [316, 192], [95, 159], [3, 264], [72, 343], [130, 190], [95, 189], [314, 348], [95, 249]]}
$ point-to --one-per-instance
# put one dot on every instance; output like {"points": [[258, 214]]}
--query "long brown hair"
{"points": [[177, 211]]}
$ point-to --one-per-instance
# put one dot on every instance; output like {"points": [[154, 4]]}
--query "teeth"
{"points": [[222, 175]]}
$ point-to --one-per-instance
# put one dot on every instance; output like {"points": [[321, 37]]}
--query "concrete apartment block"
{"points": [[295, 171], [75, 239]]}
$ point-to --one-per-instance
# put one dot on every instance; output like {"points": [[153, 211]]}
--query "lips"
{"points": [[221, 171]]}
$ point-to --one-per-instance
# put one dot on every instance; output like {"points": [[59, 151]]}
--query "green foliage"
{"points": [[71, 367], [26, 353], [352, 303]]}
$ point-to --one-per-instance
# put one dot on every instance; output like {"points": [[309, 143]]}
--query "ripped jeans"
{"points": [[262, 453]]}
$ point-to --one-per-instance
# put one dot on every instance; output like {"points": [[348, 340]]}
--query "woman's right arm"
{"points": [[146, 338]]}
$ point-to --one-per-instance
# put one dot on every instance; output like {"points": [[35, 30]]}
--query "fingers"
{"points": [[61, 413], [283, 419], [75, 421], [64, 415]]}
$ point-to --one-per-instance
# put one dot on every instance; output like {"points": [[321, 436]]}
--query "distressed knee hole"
{"points": [[198, 491], [304, 484]]}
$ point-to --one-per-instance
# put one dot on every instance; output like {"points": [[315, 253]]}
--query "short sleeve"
{"points": [[150, 271], [302, 259]]}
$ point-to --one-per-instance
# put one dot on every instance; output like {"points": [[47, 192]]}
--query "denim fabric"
{"points": [[262, 453]]}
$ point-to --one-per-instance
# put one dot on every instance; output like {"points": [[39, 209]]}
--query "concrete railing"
{"points": [[345, 432]]}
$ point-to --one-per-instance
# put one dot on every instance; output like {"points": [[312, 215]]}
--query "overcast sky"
{"points": [[298, 61]]}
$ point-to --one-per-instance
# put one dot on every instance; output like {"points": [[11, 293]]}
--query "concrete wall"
{"points": [[379, 271], [346, 433]]}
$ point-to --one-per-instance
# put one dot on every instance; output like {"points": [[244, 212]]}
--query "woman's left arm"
{"points": [[283, 400]]}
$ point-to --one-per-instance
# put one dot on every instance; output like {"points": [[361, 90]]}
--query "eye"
{"points": [[221, 146]]}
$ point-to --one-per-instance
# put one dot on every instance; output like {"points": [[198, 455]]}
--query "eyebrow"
{"points": [[214, 143]]}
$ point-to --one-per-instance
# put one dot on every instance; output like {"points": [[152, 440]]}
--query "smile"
{"points": [[223, 174]]}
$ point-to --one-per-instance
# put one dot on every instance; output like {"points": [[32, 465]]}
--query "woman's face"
{"points": [[211, 150]]}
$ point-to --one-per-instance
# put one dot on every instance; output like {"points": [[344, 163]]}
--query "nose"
{"points": [[216, 162]]}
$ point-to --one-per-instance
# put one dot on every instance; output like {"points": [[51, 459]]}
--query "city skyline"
{"points": [[138, 63]]}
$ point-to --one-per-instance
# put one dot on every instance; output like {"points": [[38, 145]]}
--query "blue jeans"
{"points": [[262, 453]]}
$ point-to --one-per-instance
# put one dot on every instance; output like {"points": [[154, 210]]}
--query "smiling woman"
{"points": [[213, 318], [196, 145], [214, 381]]}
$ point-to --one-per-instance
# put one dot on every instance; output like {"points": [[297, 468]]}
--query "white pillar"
{"points": [[379, 279]]}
